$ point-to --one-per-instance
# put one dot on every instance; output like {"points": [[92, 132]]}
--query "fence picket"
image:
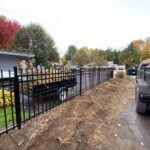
{"points": [[36, 91]]}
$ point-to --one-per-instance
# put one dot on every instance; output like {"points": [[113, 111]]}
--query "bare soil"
{"points": [[84, 123]]}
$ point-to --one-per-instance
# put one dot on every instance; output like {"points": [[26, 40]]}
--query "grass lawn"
{"points": [[9, 116]]}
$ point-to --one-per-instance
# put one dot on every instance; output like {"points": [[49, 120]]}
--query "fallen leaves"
{"points": [[119, 125], [62, 141], [142, 144], [20, 143]]}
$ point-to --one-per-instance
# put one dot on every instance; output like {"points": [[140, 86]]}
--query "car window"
{"points": [[141, 73], [147, 74]]}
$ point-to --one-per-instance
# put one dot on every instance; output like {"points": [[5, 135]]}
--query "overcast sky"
{"points": [[92, 23]]}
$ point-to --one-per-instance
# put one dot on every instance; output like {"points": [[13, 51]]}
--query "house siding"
{"points": [[8, 62]]}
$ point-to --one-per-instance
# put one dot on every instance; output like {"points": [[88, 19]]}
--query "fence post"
{"points": [[107, 73], [80, 80], [17, 98], [99, 75], [112, 73]]}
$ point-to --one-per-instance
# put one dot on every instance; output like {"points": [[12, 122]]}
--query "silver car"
{"points": [[142, 87]]}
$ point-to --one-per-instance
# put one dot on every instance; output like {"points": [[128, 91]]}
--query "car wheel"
{"points": [[62, 95], [140, 107]]}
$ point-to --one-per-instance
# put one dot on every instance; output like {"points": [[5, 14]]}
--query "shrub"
{"points": [[120, 74], [7, 98]]}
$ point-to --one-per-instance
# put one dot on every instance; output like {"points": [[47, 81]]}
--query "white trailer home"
{"points": [[9, 59]]}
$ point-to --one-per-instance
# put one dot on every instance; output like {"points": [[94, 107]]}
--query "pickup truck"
{"points": [[142, 87]]}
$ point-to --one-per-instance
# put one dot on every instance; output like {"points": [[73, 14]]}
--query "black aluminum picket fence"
{"points": [[24, 95]]}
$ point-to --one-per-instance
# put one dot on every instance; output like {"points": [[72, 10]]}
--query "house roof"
{"points": [[15, 53]]}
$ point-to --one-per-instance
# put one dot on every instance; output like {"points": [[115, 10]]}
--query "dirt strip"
{"points": [[80, 124]]}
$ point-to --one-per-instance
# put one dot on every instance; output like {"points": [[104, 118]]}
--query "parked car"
{"points": [[142, 87], [131, 70], [75, 69], [120, 67]]}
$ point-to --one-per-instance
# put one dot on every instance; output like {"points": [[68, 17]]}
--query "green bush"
{"points": [[6, 98], [120, 74]]}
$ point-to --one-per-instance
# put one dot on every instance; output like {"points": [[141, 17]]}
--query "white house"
{"points": [[9, 59]]}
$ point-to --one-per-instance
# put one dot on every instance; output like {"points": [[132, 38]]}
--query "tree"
{"points": [[143, 48], [109, 54], [81, 57], [112, 55], [129, 56], [145, 54], [139, 45], [33, 38], [96, 58], [70, 52], [116, 55], [3, 17], [63, 60], [7, 30]]}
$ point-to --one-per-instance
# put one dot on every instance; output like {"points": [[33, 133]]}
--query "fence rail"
{"points": [[25, 95]]}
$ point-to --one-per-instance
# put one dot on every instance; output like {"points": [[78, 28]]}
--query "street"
{"points": [[132, 130]]}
